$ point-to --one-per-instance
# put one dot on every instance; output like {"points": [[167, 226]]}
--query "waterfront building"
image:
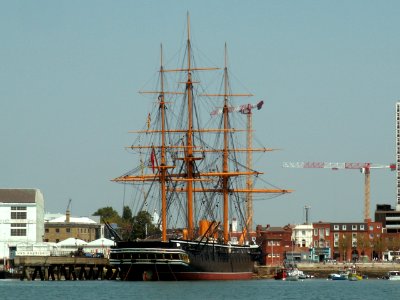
{"points": [[302, 235], [21, 219], [65, 226], [321, 244], [349, 241], [389, 217], [398, 155], [355, 241], [275, 242]]}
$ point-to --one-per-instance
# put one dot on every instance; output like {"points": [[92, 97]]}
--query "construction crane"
{"points": [[246, 109], [363, 167]]}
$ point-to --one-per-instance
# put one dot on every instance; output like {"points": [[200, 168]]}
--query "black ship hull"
{"points": [[183, 260]]}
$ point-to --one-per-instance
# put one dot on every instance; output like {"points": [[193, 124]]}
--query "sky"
{"points": [[328, 72]]}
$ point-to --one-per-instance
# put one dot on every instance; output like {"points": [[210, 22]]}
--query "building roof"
{"points": [[71, 242], [17, 195], [79, 220], [102, 242]]}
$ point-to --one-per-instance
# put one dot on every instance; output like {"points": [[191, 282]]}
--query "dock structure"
{"points": [[64, 268]]}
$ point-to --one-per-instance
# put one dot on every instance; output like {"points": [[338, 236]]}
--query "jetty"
{"points": [[64, 268]]}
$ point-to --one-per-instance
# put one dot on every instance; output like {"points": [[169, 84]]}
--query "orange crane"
{"points": [[246, 109], [363, 167]]}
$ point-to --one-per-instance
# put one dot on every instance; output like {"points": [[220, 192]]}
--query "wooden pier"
{"points": [[64, 268]]}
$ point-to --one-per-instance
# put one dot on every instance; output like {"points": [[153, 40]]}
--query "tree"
{"points": [[126, 223], [344, 245], [108, 214], [363, 243], [378, 245], [142, 226], [127, 214], [393, 242]]}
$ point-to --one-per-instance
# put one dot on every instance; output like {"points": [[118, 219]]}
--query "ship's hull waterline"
{"points": [[183, 260]]}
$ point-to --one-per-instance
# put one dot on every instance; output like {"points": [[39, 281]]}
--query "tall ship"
{"points": [[195, 169]]}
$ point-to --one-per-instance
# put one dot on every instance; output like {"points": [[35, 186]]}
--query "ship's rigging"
{"points": [[196, 177]]}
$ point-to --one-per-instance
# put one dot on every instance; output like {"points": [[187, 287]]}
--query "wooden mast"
{"points": [[225, 166], [249, 165], [189, 139], [163, 160]]}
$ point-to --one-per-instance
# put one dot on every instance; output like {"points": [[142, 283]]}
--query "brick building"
{"points": [[275, 243], [348, 241]]}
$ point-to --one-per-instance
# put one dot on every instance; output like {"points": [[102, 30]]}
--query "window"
{"points": [[344, 227], [315, 244], [303, 232], [18, 232], [68, 230], [371, 228], [336, 236], [316, 232], [57, 230], [353, 227], [18, 229], [335, 227], [361, 227], [18, 207], [18, 215], [327, 232], [46, 230]]}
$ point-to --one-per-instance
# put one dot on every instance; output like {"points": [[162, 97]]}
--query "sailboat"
{"points": [[191, 169]]}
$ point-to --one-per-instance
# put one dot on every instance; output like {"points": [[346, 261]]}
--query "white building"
{"points": [[21, 219], [302, 235]]}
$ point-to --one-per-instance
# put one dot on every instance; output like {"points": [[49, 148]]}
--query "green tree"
{"points": [[126, 223], [127, 214], [108, 214], [142, 226]]}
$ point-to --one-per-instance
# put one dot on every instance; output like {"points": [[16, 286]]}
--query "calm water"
{"points": [[253, 289]]}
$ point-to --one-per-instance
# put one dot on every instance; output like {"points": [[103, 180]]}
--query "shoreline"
{"points": [[375, 270]]}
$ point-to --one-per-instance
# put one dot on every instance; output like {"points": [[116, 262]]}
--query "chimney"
{"points": [[67, 216], [68, 212]]}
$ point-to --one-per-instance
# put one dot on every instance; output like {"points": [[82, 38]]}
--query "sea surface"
{"points": [[205, 290]]}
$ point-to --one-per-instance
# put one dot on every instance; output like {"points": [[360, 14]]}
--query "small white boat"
{"points": [[341, 276], [393, 275]]}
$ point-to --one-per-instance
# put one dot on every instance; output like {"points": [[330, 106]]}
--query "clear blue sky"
{"points": [[328, 71]]}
